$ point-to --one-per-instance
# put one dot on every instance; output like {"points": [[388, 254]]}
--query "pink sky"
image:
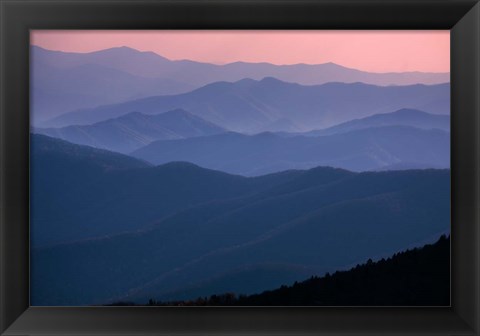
{"points": [[375, 51]]}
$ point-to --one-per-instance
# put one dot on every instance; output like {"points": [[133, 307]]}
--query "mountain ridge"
{"points": [[122, 74], [210, 226], [402, 117], [133, 51], [133, 130], [250, 105], [99, 192], [358, 150], [374, 279]]}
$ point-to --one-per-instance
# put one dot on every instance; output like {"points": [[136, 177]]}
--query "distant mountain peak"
{"points": [[119, 48], [179, 112], [250, 81], [266, 135], [180, 168], [179, 164], [269, 80], [405, 117], [128, 51], [92, 156], [328, 169], [246, 81], [123, 48], [133, 113], [331, 64], [171, 113], [136, 129], [409, 111]]}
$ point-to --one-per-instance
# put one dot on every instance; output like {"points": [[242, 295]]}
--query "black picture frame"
{"points": [[17, 17]]}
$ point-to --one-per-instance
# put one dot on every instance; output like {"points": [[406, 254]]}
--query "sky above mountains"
{"points": [[373, 51]]}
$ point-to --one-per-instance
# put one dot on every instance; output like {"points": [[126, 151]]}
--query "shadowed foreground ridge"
{"points": [[416, 277]]}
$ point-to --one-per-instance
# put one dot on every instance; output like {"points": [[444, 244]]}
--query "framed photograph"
{"points": [[227, 167]]}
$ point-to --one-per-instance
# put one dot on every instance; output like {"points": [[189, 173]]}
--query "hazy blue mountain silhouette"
{"points": [[144, 64], [58, 87], [149, 64], [252, 106], [403, 117], [359, 150], [81, 192], [283, 225], [407, 166], [65, 81], [84, 157], [134, 130]]}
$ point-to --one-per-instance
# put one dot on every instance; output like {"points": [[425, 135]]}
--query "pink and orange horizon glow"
{"points": [[374, 51]]}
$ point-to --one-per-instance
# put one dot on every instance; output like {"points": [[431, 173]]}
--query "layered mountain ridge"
{"points": [[170, 180], [150, 215], [251, 106], [65, 81], [134, 130]]}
